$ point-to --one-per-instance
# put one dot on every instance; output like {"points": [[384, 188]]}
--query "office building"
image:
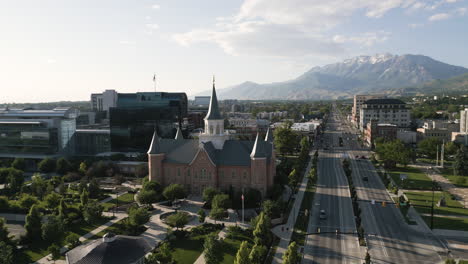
{"points": [[37, 133], [358, 101], [102, 102], [464, 121], [385, 111]]}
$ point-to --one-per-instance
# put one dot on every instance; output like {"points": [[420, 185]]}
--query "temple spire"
{"points": [[258, 150], [213, 111], [155, 147]]}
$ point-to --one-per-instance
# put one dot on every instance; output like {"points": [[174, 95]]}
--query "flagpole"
{"points": [[154, 81], [242, 205]]}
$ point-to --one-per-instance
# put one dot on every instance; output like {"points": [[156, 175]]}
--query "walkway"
{"points": [[201, 259], [284, 232]]}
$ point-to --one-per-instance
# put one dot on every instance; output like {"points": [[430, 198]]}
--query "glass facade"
{"points": [[28, 138]]}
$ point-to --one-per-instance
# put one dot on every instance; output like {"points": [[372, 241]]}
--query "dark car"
{"points": [[323, 215], [365, 178], [363, 157]]}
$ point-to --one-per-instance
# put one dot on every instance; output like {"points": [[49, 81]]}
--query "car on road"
{"points": [[323, 215], [363, 157], [365, 178], [357, 157]]}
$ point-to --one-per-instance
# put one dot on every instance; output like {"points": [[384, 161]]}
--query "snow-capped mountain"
{"points": [[362, 74]]}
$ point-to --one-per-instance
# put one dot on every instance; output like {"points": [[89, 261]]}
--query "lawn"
{"points": [[232, 243], [448, 223], [300, 227], [459, 181], [417, 180], [423, 200], [121, 200], [83, 228], [186, 251]]}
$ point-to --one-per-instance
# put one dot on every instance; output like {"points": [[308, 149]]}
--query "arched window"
{"points": [[203, 174]]}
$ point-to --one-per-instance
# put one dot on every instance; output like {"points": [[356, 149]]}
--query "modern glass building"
{"points": [[133, 120], [36, 133]]}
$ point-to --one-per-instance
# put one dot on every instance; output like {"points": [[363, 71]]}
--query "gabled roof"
{"points": [[269, 136], [258, 150], [179, 135], [155, 147], [123, 250], [213, 111]]}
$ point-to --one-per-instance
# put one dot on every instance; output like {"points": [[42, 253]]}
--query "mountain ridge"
{"points": [[362, 74]]}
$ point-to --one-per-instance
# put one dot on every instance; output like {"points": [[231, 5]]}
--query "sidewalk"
{"points": [[201, 259], [285, 236]]}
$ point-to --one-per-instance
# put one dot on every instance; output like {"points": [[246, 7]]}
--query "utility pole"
{"points": [[442, 154], [242, 205], [432, 207], [437, 156]]}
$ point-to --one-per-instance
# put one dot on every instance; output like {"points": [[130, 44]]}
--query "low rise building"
{"points": [[357, 103], [464, 121], [441, 129], [375, 130], [385, 111]]}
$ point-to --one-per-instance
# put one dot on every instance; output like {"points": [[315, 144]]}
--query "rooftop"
{"points": [[384, 101]]}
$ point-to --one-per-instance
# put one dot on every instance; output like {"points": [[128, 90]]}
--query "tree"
{"points": [[72, 240], [271, 208], [147, 197], [293, 178], [27, 200], [284, 139], [141, 170], [201, 215], [38, 186], [460, 166], [162, 255], [92, 212], [428, 146], [174, 191], [393, 152], [261, 232], [15, 180], [451, 148], [291, 256], [19, 164], [368, 258], [208, 194], [152, 186], [177, 220], [217, 213], [137, 217], [212, 250], [84, 197], [33, 223], [257, 254], [62, 210], [52, 229], [221, 201], [4, 234], [54, 251], [62, 166], [52, 200], [46, 165], [94, 189], [7, 253], [242, 256], [83, 168]]}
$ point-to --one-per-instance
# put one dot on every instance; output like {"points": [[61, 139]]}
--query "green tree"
{"points": [[261, 232], [62, 166], [62, 210], [27, 200], [291, 256], [137, 217], [209, 193], [177, 220], [221, 201], [4, 204], [451, 148], [271, 208], [83, 168], [293, 178], [4, 234], [84, 197], [163, 254], [285, 140], [52, 200], [217, 213], [242, 256], [258, 254], [52, 229], [368, 258], [92, 212], [212, 250], [94, 189], [7, 253], [46, 165], [428, 146], [174, 191], [33, 223], [147, 196], [393, 152], [152, 186], [54, 251], [15, 180], [38, 186], [201, 215], [72, 240], [460, 166], [19, 164]]}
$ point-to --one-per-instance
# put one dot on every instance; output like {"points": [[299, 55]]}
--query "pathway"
{"points": [[284, 232], [201, 259]]}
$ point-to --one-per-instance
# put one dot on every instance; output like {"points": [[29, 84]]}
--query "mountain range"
{"points": [[382, 73]]}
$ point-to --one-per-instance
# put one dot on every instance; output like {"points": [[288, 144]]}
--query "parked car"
{"points": [[323, 215], [365, 178]]}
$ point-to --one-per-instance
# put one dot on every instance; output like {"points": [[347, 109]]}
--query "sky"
{"points": [[53, 50]]}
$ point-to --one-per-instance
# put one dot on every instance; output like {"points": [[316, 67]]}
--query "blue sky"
{"points": [[67, 49]]}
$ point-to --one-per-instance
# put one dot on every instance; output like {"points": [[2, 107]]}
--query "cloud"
{"points": [[151, 28], [155, 6], [279, 28], [461, 11], [416, 25], [127, 42], [51, 61], [439, 16]]}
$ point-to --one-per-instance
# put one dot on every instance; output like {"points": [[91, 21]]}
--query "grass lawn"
{"points": [[186, 251], [121, 200], [231, 245], [82, 227], [417, 180], [459, 181], [421, 199], [300, 227], [448, 223]]}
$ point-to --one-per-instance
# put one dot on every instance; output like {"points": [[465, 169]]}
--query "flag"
{"points": [[154, 77], [242, 197]]}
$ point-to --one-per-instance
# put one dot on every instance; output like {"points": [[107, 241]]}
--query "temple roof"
{"points": [[213, 111]]}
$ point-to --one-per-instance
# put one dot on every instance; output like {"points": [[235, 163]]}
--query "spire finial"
{"points": [[213, 81]]}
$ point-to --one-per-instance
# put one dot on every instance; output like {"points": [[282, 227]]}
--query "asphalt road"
{"points": [[333, 196]]}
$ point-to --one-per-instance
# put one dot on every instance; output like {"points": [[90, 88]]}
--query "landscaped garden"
{"points": [[416, 179], [422, 202], [459, 181]]}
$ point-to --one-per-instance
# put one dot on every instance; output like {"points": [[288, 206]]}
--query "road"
{"points": [[333, 196], [390, 239]]}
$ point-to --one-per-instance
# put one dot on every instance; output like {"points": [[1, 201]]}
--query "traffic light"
{"points": [[384, 204]]}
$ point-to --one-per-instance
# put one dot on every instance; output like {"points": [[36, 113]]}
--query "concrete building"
{"points": [[464, 121], [358, 101], [310, 126], [385, 111], [375, 130], [201, 101], [214, 159], [441, 129], [37, 133], [407, 137], [102, 102]]}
